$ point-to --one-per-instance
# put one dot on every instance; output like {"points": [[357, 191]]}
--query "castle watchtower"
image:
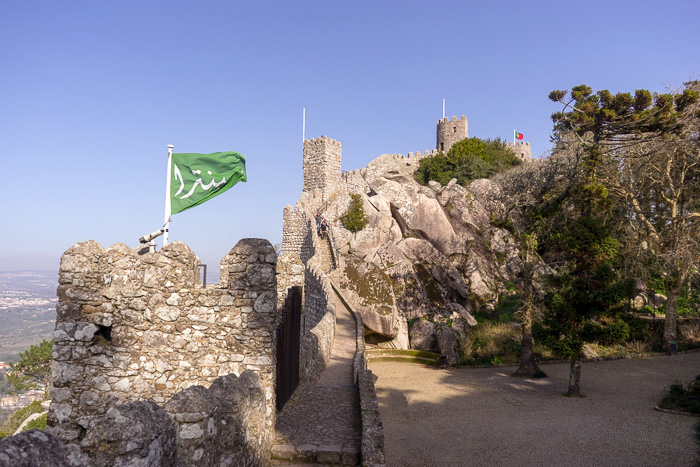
{"points": [[322, 165], [451, 131], [521, 150]]}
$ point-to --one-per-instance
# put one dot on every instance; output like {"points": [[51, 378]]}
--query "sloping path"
{"points": [[321, 421]]}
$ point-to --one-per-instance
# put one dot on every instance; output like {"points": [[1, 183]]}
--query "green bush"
{"points": [[467, 160], [683, 399], [616, 333], [354, 218], [15, 420], [37, 423]]}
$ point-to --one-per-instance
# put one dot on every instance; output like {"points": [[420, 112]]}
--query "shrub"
{"points": [[38, 423], [15, 420], [354, 218], [467, 160], [684, 399]]}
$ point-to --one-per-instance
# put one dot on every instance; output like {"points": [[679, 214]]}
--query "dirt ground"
{"points": [[463, 417]]}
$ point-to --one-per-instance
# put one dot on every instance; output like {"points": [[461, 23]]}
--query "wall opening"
{"points": [[106, 332]]}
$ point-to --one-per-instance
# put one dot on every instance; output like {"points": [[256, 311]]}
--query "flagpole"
{"points": [[166, 223]]}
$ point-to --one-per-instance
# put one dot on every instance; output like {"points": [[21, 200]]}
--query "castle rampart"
{"points": [[521, 150], [133, 327], [321, 164], [451, 131]]}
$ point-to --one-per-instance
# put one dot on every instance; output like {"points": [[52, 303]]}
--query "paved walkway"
{"points": [[321, 421], [484, 417]]}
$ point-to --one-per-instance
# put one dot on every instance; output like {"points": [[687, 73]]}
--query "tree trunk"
{"points": [[671, 321], [528, 367], [575, 377]]}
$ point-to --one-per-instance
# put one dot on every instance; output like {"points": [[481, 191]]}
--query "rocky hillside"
{"points": [[428, 258]]}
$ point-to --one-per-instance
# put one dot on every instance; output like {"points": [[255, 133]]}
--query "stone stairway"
{"points": [[326, 254], [321, 424]]}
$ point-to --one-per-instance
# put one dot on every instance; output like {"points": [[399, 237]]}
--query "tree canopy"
{"points": [[467, 160], [643, 151], [33, 368]]}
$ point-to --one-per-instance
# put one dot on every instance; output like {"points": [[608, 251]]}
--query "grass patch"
{"points": [[15, 420], [395, 355]]}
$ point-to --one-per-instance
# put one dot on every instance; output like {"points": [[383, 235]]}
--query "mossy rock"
{"points": [[370, 292]]}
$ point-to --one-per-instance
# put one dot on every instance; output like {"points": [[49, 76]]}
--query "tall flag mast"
{"points": [[166, 222]]}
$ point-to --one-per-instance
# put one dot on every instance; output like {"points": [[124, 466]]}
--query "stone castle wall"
{"points": [[521, 150], [222, 425], [296, 233], [322, 166], [133, 327], [451, 131]]}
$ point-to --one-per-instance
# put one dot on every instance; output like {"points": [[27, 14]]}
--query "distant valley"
{"points": [[27, 310]]}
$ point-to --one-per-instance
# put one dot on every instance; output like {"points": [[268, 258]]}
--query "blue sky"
{"points": [[91, 92]]}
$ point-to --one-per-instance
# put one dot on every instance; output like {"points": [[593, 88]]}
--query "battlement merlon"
{"points": [[454, 119], [322, 140]]}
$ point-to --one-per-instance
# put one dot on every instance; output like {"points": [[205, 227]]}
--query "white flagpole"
{"points": [[513, 137], [166, 223]]}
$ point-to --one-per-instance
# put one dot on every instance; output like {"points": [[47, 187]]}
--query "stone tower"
{"points": [[449, 132], [322, 165], [521, 150]]}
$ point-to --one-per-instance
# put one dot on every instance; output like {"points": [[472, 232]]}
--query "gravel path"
{"points": [[460, 417]]}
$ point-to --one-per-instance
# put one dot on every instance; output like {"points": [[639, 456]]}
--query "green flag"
{"points": [[196, 178]]}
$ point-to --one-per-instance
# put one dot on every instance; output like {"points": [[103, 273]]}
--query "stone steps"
{"points": [[326, 255], [310, 454]]}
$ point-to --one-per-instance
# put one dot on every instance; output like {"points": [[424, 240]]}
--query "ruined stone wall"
{"points": [[319, 323], [322, 166], [451, 131], [223, 425], [317, 296], [296, 233], [133, 327], [521, 150]]}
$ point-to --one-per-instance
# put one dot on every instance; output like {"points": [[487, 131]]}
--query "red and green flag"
{"points": [[517, 135]]}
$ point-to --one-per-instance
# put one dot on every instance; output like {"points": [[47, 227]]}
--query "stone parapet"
{"points": [[450, 132], [223, 425], [521, 150], [140, 327], [322, 166]]}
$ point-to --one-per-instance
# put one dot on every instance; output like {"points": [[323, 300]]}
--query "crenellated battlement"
{"points": [[522, 150], [321, 164], [322, 141], [444, 120], [136, 327], [450, 132]]}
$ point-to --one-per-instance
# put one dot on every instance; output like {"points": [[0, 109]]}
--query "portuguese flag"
{"points": [[517, 135]]}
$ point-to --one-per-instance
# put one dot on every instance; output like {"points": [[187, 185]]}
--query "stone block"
{"points": [[283, 451], [330, 453], [350, 456], [307, 452]]}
